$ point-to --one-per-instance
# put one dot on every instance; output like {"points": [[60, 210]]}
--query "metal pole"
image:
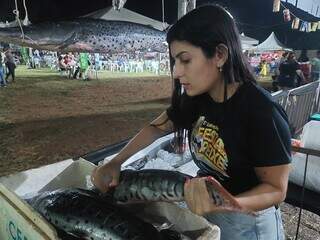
{"points": [[302, 196], [185, 6], [191, 5], [182, 8]]}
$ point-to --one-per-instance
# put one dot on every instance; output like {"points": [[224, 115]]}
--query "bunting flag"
{"points": [[295, 23], [286, 15], [276, 5], [308, 27], [314, 26], [303, 26]]}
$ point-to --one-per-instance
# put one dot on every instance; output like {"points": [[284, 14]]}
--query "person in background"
{"points": [[84, 65], [315, 67], [3, 82], [36, 60], [10, 64], [283, 57], [263, 68], [237, 133], [289, 73], [61, 64], [304, 64]]}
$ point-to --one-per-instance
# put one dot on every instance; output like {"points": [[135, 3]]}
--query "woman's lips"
{"points": [[186, 85]]}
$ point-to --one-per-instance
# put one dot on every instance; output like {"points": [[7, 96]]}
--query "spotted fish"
{"points": [[164, 185], [85, 215], [87, 35]]}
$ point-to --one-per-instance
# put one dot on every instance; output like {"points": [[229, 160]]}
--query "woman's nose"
{"points": [[177, 71]]}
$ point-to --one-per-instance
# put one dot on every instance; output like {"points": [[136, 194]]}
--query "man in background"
{"points": [[315, 67], [10, 64]]}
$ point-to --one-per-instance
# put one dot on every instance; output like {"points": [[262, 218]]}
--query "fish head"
{"points": [[47, 35]]}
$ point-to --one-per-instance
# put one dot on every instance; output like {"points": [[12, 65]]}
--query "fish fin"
{"points": [[68, 42], [67, 236], [223, 200]]}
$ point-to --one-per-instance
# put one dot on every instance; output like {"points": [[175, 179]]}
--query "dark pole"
{"points": [[317, 10], [296, 3]]}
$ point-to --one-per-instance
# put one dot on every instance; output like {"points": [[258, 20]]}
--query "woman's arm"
{"points": [[157, 128], [107, 175], [271, 191]]}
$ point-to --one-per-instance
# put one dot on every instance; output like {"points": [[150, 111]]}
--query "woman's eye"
{"points": [[185, 61]]}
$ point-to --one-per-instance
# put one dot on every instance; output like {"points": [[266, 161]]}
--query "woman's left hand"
{"points": [[197, 196]]}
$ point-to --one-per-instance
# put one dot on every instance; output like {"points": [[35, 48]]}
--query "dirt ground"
{"points": [[46, 118]]}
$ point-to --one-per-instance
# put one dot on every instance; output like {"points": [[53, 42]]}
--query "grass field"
{"points": [[45, 117]]}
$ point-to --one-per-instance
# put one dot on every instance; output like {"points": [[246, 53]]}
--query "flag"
{"points": [[303, 26], [276, 5], [308, 27], [295, 23], [314, 26]]}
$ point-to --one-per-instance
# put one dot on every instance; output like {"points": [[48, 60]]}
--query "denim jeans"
{"points": [[2, 78], [266, 225]]}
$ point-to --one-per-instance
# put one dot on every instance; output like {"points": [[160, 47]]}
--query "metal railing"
{"points": [[299, 103], [317, 102], [280, 97]]}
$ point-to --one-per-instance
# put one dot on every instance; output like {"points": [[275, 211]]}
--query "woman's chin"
{"points": [[191, 93]]}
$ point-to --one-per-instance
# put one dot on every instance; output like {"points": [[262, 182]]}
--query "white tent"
{"points": [[248, 43], [271, 44], [126, 15]]}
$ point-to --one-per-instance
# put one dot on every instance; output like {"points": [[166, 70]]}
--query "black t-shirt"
{"points": [[227, 140], [289, 68], [288, 73]]}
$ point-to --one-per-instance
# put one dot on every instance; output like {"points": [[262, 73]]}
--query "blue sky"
{"points": [[306, 5]]}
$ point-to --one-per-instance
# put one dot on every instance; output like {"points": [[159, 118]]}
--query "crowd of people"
{"points": [[296, 72], [77, 65], [288, 71]]}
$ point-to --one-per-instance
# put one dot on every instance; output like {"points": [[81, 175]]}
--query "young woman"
{"points": [[237, 134]]}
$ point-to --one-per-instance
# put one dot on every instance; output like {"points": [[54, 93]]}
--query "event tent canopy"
{"points": [[248, 42], [271, 44], [126, 15]]}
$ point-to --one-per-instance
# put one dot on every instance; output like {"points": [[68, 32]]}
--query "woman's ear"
{"points": [[222, 53]]}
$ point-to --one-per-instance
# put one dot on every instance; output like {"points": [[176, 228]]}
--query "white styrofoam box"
{"points": [[74, 175], [310, 137], [312, 176], [33, 180], [20, 221], [150, 150]]}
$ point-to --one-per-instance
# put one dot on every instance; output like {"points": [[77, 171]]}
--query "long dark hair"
{"points": [[207, 27]]}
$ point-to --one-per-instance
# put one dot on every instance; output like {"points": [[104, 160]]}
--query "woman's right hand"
{"points": [[106, 176]]}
